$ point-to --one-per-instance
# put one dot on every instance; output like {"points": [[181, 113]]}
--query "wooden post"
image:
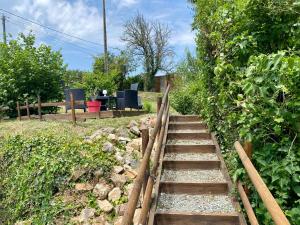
{"points": [[40, 107], [248, 149], [27, 109], [19, 110], [145, 140], [72, 102], [247, 205], [159, 100], [266, 196]]}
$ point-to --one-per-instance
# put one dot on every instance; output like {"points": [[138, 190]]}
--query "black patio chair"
{"points": [[78, 96], [120, 100], [134, 86]]}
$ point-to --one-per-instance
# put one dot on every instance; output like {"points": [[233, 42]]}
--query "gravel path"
{"points": [[195, 175], [195, 203], [190, 142], [191, 156], [188, 131]]}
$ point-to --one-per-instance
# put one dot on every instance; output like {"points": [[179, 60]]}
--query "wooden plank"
{"points": [[181, 218], [190, 148], [187, 125], [191, 164], [186, 118], [193, 188], [188, 136]]}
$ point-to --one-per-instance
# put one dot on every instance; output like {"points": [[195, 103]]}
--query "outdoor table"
{"points": [[107, 102]]}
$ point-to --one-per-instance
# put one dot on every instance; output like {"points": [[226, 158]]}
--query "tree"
{"points": [[149, 43], [72, 77], [27, 71]]}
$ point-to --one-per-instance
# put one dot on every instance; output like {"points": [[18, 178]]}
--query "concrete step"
{"points": [[189, 134], [186, 118]]}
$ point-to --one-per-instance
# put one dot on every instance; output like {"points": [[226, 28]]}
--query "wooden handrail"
{"points": [[270, 203], [151, 178], [250, 213], [136, 191]]}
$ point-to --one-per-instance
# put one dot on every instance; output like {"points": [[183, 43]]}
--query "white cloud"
{"points": [[76, 18], [125, 3]]}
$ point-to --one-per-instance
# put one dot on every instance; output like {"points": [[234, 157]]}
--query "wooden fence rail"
{"points": [[138, 184], [270, 203]]}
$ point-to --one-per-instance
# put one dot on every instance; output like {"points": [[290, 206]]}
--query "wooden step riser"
{"points": [[205, 165], [190, 219], [189, 136], [193, 188], [190, 148], [187, 126], [184, 118]]}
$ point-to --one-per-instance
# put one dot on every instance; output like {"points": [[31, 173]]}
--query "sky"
{"points": [[83, 19]]}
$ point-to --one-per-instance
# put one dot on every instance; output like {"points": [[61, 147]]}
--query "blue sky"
{"points": [[83, 18]]}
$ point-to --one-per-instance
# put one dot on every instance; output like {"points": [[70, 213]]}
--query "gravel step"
{"points": [[190, 156], [194, 175], [190, 142], [194, 203], [188, 131]]}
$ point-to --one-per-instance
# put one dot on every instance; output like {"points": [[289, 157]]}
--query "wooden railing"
{"points": [[270, 203], [39, 105], [143, 177]]}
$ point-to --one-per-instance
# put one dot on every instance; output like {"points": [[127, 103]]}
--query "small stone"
{"points": [[98, 173], [132, 123], [105, 205], [115, 194], [86, 214], [129, 149], [118, 169], [107, 147], [101, 190], [131, 174], [77, 173], [135, 130], [99, 220], [112, 137], [96, 135], [118, 180], [124, 140], [135, 144], [120, 209], [108, 130], [119, 221], [129, 188], [136, 216], [119, 157], [122, 132], [83, 187]]}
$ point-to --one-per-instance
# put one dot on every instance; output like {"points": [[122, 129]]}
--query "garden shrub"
{"points": [[33, 170], [246, 87]]}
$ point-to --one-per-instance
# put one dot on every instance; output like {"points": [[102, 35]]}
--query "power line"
{"points": [[52, 29], [57, 40]]}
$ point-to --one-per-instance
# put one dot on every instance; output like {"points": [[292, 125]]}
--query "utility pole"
{"points": [[4, 30], [105, 38]]}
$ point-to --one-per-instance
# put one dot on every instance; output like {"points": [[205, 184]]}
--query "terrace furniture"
{"points": [[107, 102], [134, 86], [128, 99], [78, 95]]}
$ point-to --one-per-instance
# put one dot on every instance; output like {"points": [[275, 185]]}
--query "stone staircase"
{"points": [[194, 186]]}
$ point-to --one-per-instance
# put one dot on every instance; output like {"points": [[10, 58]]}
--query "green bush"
{"points": [[27, 71], [33, 170], [246, 86], [147, 106]]}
